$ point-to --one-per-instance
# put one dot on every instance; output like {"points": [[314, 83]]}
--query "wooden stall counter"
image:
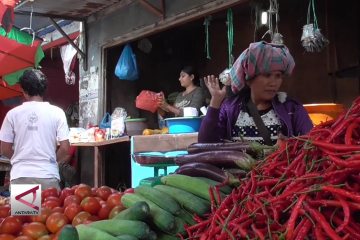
{"points": [[163, 142], [99, 163]]}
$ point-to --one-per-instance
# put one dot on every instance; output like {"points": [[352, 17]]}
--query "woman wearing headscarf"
{"points": [[257, 111]]}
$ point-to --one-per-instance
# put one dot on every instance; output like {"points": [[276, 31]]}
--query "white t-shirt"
{"points": [[34, 128]]}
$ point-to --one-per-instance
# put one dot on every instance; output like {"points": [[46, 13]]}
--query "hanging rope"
{"points": [[207, 48], [230, 25]]}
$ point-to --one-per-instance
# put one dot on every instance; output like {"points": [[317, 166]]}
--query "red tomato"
{"points": [[72, 210], [114, 191], [35, 230], [71, 199], [93, 190], [46, 237], [115, 211], [58, 209], [66, 192], [74, 187], [129, 190], [24, 219], [52, 198], [45, 213], [99, 199], [7, 237], [50, 204], [11, 225], [4, 211], [105, 211], [115, 199], [56, 221], [90, 205], [24, 238], [49, 192], [103, 193], [87, 222], [80, 218], [83, 191], [94, 218]]}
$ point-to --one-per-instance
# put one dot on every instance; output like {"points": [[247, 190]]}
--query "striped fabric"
{"points": [[260, 57]]}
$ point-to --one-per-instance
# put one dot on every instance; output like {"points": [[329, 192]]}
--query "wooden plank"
{"points": [[102, 143], [182, 18]]}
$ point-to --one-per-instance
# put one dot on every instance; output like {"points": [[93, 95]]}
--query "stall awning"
{"points": [[7, 91], [64, 9]]}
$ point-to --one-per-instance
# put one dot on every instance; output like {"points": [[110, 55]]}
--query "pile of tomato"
{"points": [[77, 205]]}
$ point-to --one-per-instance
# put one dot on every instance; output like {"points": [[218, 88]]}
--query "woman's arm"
{"points": [[213, 126], [302, 123]]}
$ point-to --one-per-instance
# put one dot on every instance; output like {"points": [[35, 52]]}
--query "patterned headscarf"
{"points": [[260, 57]]}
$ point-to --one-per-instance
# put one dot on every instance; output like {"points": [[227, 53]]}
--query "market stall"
{"points": [[307, 188]]}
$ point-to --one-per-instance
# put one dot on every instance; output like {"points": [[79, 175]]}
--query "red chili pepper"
{"points": [[304, 230], [319, 234], [339, 119], [338, 221], [354, 188], [349, 132], [294, 215], [315, 214], [339, 129], [346, 210], [333, 203], [257, 232], [253, 181], [335, 147], [345, 163]]}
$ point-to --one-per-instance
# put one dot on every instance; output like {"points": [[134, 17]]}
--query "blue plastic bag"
{"points": [[126, 68], [106, 122]]}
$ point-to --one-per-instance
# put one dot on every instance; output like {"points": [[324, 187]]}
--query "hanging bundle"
{"points": [[225, 75], [273, 31], [207, 24], [312, 39]]}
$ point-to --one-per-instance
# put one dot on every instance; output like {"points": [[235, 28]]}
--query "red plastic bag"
{"points": [[148, 101]]}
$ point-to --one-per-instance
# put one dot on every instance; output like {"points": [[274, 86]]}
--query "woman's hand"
{"points": [[217, 94], [162, 102]]}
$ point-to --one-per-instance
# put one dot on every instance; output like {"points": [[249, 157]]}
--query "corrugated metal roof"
{"points": [[67, 8]]}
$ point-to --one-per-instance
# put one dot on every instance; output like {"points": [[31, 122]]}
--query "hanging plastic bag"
{"points": [[148, 100], [126, 68], [106, 122]]}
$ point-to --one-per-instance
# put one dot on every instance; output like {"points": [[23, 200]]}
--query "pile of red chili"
{"points": [[308, 189]]}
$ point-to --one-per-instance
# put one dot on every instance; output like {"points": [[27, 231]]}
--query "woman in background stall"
{"points": [[193, 96]]}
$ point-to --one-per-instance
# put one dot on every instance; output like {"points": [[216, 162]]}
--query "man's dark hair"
{"points": [[33, 82]]}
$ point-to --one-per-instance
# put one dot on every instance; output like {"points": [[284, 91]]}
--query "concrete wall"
{"points": [[127, 19], [311, 82]]}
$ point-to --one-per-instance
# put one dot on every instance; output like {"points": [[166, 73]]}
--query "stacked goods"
{"points": [[168, 208], [219, 161], [73, 206], [308, 189]]}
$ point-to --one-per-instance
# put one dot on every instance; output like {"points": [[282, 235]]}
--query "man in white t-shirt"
{"points": [[29, 135]]}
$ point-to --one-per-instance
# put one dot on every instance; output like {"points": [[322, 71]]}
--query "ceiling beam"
{"points": [[45, 15], [71, 42], [111, 9], [151, 8]]}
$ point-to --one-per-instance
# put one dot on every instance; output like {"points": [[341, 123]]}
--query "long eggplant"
{"points": [[226, 159], [202, 170], [235, 146], [252, 148], [236, 172]]}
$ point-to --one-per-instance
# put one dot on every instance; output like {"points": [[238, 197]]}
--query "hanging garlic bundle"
{"points": [[275, 36], [207, 24], [312, 39]]}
